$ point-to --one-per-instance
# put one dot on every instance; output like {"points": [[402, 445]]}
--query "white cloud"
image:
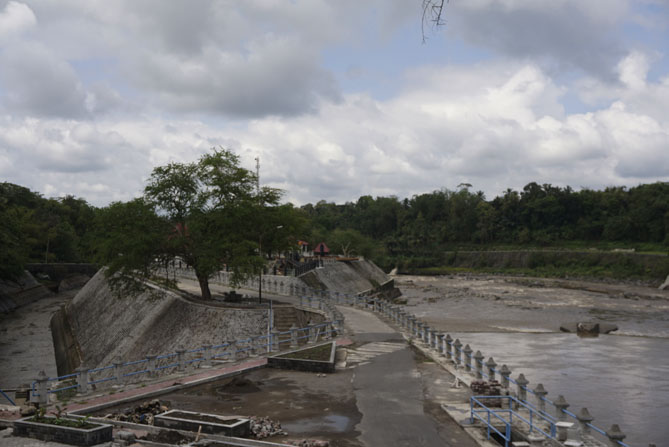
{"points": [[15, 18]]}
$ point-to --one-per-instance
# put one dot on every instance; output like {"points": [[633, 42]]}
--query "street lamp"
{"points": [[278, 227]]}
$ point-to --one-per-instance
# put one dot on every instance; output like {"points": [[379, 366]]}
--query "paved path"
{"points": [[389, 389]]}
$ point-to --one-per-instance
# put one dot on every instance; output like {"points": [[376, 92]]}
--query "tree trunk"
{"points": [[204, 286]]}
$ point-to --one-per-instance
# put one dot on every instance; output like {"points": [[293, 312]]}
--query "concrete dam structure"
{"points": [[96, 328]]}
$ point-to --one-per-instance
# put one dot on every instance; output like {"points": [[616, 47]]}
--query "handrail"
{"points": [[7, 397]]}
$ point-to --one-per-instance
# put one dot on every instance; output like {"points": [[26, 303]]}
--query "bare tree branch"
{"points": [[432, 15]]}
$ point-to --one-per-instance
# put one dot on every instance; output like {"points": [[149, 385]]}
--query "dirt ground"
{"points": [[308, 405], [485, 303]]}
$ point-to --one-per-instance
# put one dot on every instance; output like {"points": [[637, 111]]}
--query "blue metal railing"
{"points": [[477, 405], [7, 397]]}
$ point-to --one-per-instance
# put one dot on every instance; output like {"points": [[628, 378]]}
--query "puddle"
{"points": [[333, 423]]}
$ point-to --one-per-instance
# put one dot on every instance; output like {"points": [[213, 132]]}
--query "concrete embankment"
{"points": [[351, 277], [105, 328], [650, 266], [24, 291]]}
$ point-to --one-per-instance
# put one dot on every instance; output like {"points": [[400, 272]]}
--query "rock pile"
{"points": [[309, 443], [141, 414], [265, 427]]}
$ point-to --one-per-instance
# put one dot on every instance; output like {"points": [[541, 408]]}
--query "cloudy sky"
{"points": [[338, 98]]}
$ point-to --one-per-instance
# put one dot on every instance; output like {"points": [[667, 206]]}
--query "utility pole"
{"points": [[258, 174]]}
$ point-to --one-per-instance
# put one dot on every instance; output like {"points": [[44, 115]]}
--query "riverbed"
{"points": [[621, 378]]}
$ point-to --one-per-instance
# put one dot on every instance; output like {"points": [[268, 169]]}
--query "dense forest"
{"points": [[387, 229], [390, 229]]}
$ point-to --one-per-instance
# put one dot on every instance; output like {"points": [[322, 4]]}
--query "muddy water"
{"points": [[621, 379]]}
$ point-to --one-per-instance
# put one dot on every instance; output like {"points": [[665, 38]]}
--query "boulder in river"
{"points": [[589, 327]]}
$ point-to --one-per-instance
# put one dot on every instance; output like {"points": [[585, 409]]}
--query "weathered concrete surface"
{"points": [[26, 345], [24, 291], [108, 328], [665, 284], [389, 391], [590, 327], [346, 277]]}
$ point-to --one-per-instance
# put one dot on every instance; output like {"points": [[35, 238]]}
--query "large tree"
{"points": [[210, 214]]}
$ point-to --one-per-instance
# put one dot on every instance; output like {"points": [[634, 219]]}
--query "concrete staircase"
{"points": [[284, 318]]}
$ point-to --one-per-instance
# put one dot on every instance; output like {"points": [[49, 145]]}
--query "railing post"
{"points": [[491, 368], [478, 364], [82, 380], [42, 397], [505, 372], [326, 331], [151, 362], [541, 393], [449, 347], [294, 342], [442, 345], [522, 382], [560, 405], [468, 358], [312, 332], [458, 352], [275, 340], [584, 418], [615, 434], [208, 360], [180, 359], [426, 334], [118, 371], [434, 341], [419, 329]]}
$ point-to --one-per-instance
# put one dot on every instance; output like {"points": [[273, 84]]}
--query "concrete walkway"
{"points": [[389, 389]]}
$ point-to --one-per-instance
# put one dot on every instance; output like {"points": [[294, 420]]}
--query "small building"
{"points": [[321, 250]]}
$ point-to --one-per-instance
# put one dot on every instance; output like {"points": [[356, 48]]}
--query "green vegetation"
{"points": [[210, 215], [60, 419], [417, 233]]}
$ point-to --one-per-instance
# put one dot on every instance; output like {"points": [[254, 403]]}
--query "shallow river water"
{"points": [[621, 380]]}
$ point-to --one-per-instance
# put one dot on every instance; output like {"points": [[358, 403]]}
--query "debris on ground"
{"points": [[309, 443], [140, 414], [263, 427]]}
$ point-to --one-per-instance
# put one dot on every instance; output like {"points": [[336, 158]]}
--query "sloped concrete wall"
{"points": [[346, 276], [24, 291], [108, 328]]}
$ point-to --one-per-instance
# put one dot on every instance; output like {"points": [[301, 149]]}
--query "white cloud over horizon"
{"points": [[92, 116]]}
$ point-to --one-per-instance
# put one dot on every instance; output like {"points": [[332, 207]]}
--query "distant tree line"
{"points": [[389, 228], [385, 229]]}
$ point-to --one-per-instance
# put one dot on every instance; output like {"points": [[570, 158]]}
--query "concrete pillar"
{"points": [[118, 371], [419, 329], [275, 340], [615, 434], [181, 353], [541, 393], [207, 354], [434, 339], [457, 352], [505, 372], [151, 365], [468, 358], [560, 404], [490, 364], [426, 334], [522, 382], [535, 440], [41, 396], [478, 364], [82, 380], [312, 332], [449, 347], [440, 343], [563, 430], [411, 323], [301, 300], [326, 331], [584, 418]]}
